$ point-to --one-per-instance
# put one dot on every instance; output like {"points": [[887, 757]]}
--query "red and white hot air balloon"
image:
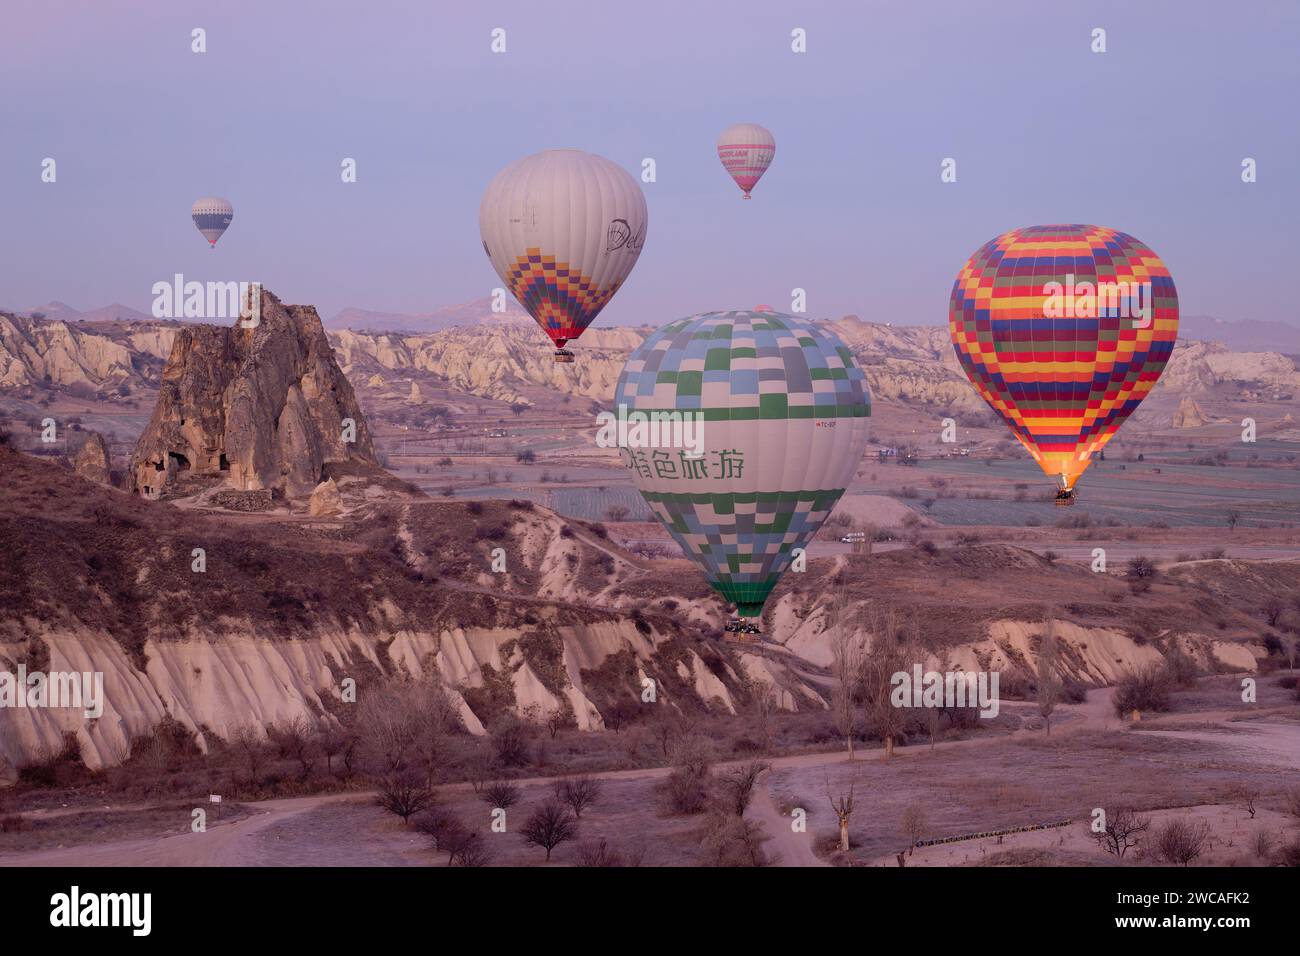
{"points": [[746, 150]]}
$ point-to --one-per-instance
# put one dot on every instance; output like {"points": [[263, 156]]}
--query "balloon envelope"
{"points": [[746, 150], [1063, 330], [783, 415], [212, 215], [563, 229]]}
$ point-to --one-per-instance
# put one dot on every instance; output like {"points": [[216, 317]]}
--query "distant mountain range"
{"points": [[1245, 335], [476, 312], [62, 312]]}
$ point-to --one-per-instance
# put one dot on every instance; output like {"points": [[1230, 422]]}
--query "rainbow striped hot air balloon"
{"points": [[212, 216], [783, 411], [1064, 330]]}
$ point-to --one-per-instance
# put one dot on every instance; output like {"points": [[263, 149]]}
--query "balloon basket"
{"points": [[741, 631], [1064, 498], [563, 355]]}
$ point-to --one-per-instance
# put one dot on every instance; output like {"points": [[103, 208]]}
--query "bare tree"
{"points": [[886, 658], [670, 726], [472, 852], [1233, 517], [549, 825], [557, 720], [1049, 684], [445, 830], [408, 723], [1181, 841], [502, 795], [763, 704], [847, 660], [295, 741], [578, 793], [405, 793], [738, 785], [1122, 831], [1248, 794], [331, 742], [843, 807], [914, 825], [250, 748]]}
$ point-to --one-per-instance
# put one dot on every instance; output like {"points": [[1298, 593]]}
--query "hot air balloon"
{"points": [[1063, 330], [746, 150], [212, 215], [782, 410], [563, 229]]}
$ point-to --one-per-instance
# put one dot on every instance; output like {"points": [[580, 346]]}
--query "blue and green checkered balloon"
{"points": [[783, 410]]}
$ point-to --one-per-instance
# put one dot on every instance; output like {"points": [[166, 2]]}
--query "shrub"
{"points": [[687, 786], [1181, 841], [602, 854], [502, 795], [732, 841], [1289, 853], [510, 742], [1147, 689]]}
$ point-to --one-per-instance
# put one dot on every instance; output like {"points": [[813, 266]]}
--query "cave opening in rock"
{"points": [[180, 461], [223, 463]]}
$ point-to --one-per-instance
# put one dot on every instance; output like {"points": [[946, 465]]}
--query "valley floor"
{"points": [[1187, 764]]}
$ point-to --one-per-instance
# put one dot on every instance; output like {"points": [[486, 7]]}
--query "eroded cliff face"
{"points": [[261, 407]]}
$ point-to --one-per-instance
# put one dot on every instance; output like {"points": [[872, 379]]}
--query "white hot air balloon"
{"points": [[212, 215], [781, 412], [563, 229], [746, 150]]}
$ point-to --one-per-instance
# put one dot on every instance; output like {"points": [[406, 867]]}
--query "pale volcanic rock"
{"points": [[1189, 414], [37, 352], [93, 462], [262, 407], [325, 499], [415, 398]]}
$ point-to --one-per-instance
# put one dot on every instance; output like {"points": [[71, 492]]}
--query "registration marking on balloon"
{"points": [[770, 470], [1063, 330]]}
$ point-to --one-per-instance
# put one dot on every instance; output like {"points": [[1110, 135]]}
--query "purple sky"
{"points": [[1147, 138]]}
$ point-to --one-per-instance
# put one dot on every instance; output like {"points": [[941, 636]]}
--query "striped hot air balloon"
{"points": [[563, 229], [212, 215], [783, 411], [746, 150], [1064, 330]]}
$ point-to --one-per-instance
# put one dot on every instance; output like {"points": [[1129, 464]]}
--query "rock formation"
{"points": [[93, 462], [262, 407], [415, 398], [325, 500], [1189, 414]]}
